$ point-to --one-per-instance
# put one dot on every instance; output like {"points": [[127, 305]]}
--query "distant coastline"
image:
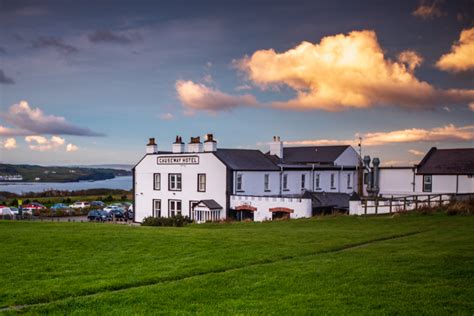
{"points": [[11, 174]]}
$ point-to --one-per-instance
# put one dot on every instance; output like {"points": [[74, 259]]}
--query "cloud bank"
{"points": [[107, 36], [56, 43], [461, 57], [28, 120], [195, 96], [445, 133], [346, 71]]}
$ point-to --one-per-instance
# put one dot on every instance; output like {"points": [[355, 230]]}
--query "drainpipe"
{"points": [[281, 179]]}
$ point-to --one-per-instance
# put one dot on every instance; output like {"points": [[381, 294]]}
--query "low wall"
{"points": [[302, 207]]}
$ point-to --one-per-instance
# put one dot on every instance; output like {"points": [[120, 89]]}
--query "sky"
{"points": [[88, 82]]}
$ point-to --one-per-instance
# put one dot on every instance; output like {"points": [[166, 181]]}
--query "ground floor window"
{"points": [[243, 215], [192, 204], [280, 215], [174, 208], [205, 216], [427, 183], [156, 208]]}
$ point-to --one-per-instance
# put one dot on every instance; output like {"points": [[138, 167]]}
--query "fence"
{"points": [[392, 204]]}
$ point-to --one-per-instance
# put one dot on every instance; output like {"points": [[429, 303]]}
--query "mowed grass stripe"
{"points": [[48, 261], [429, 273], [229, 269]]}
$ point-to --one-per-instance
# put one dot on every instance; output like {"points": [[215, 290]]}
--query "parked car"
{"points": [[118, 213], [59, 206], [97, 204], [98, 215], [80, 204], [129, 214], [112, 207], [6, 211], [34, 206]]}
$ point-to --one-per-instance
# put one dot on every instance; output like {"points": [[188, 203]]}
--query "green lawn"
{"points": [[416, 264]]}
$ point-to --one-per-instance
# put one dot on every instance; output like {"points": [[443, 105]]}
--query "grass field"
{"points": [[410, 264]]}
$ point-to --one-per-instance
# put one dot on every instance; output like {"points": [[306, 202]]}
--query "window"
{"points": [[239, 182], [349, 185], [192, 204], [427, 183], [317, 180], [266, 182], [201, 182], [303, 181], [174, 208], [332, 181], [156, 208], [156, 181], [174, 182], [285, 182]]}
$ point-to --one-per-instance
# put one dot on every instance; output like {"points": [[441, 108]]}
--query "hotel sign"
{"points": [[178, 160]]}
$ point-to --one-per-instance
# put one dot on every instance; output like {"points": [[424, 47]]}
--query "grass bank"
{"points": [[345, 265]]}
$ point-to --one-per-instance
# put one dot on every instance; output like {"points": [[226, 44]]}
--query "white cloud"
{"points": [[461, 57], [71, 148], [428, 11], [9, 143], [346, 71], [445, 133], [471, 106], [416, 152], [166, 116], [28, 120], [41, 143], [195, 96]]}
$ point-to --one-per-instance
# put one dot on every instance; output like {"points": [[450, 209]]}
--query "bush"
{"points": [[460, 208], [175, 221]]}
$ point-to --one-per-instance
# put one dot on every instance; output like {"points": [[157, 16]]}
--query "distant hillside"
{"points": [[110, 166], [30, 173]]}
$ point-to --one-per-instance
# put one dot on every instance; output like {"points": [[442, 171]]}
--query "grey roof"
{"points": [[448, 161], [313, 154], [328, 199], [211, 204], [246, 159]]}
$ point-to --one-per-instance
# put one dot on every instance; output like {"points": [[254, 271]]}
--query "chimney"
{"points": [[151, 147], [210, 144], [178, 146], [276, 147], [195, 145]]}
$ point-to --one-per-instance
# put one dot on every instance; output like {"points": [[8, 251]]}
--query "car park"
{"points": [[34, 206], [6, 211], [112, 207], [59, 206], [117, 213]]}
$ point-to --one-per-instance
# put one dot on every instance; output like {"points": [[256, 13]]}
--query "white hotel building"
{"points": [[207, 183]]}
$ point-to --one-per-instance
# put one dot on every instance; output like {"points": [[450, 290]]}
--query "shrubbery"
{"points": [[175, 221]]}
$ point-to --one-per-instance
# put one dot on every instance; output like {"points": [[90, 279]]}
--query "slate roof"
{"points": [[312, 154], [447, 161], [211, 204], [327, 199], [246, 159]]}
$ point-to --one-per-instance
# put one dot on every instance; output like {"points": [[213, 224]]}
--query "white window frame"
{"points": [[239, 182], [175, 182], [266, 182], [173, 208], [156, 210], [157, 181], [427, 177], [201, 184]]}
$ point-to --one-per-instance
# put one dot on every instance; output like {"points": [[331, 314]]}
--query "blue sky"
{"points": [[105, 76]]}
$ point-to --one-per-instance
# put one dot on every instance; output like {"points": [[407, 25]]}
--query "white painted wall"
{"points": [[253, 182], [215, 172], [396, 181], [302, 207], [348, 158]]}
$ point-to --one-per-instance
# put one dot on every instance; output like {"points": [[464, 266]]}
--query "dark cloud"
{"points": [[56, 43], [107, 36], [25, 118], [4, 79]]}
